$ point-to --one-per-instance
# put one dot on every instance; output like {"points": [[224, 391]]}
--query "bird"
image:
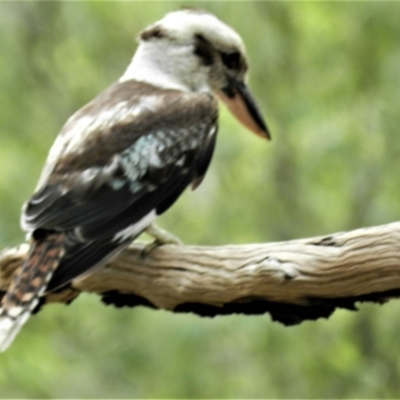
{"points": [[125, 157]]}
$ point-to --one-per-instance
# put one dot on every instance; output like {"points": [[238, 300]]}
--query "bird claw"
{"points": [[161, 237], [148, 248]]}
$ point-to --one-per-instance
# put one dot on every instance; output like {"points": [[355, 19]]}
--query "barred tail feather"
{"points": [[9, 327], [28, 285]]}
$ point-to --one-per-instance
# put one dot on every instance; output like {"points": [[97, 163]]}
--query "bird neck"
{"points": [[168, 66]]}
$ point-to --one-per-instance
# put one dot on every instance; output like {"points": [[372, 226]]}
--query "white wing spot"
{"points": [[14, 312]]}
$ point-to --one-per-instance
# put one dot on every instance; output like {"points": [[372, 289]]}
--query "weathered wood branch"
{"points": [[293, 281]]}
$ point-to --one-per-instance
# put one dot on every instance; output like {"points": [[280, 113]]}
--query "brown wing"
{"points": [[127, 155]]}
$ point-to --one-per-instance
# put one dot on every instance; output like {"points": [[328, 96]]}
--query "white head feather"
{"points": [[169, 61], [184, 24]]}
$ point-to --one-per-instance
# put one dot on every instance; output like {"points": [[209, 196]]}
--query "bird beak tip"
{"points": [[263, 133], [242, 105]]}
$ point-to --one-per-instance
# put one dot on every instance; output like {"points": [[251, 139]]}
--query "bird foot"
{"points": [[161, 237]]}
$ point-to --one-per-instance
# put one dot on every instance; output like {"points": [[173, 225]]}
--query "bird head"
{"points": [[192, 50]]}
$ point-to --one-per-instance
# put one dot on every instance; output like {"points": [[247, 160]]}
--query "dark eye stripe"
{"points": [[231, 60], [204, 50]]}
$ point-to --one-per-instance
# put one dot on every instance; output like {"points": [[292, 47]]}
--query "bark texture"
{"points": [[293, 281]]}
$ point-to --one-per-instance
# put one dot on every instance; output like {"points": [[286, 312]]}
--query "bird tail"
{"points": [[28, 285]]}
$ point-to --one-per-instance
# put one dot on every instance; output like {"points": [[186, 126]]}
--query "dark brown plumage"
{"points": [[125, 157]]}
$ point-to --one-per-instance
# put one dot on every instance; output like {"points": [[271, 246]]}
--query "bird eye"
{"points": [[231, 60]]}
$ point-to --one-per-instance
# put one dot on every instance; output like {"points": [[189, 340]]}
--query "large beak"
{"points": [[240, 102]]}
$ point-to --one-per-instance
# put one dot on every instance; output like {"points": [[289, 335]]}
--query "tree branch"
{"points": [[293, 281]]}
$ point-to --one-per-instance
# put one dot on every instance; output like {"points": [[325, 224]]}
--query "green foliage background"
{"points": [[327, 77]]}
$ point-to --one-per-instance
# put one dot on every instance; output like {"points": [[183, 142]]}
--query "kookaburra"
{"points": [[125, 157]]}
